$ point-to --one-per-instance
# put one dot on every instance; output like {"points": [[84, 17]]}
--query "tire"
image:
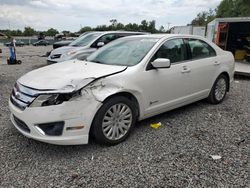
{"points": [[19, 62], [219, 90], [110, 127]]}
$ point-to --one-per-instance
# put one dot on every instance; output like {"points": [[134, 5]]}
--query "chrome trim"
{"points": [[21, 96], [26, 90], [18, 103], [40, 130]]}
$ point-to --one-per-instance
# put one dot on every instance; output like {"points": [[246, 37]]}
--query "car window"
{"points": [[126, 52], [84, 40], [174, 50], [200, 49], [107, 38]]}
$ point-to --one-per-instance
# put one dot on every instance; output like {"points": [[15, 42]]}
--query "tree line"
{"points": [[144, 26], [29, 31], [227, 8]]}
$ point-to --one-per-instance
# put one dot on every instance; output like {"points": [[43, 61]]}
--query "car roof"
{"points": [[165, 36], [107, 32]]}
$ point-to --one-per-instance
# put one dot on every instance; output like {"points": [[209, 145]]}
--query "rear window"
{"points": [[200, 49]]}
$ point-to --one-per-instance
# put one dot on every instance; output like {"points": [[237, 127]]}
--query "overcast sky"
{"points": [[72, 14]]}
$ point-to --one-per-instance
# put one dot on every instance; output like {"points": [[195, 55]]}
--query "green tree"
{"points": [[29, 31], [85, 29], [151, 27], [132, 27], [144, 25], [233, 8], [113, 22], [203, 18], [19, 32], [51, 32], [119, 26], [162, 29]]}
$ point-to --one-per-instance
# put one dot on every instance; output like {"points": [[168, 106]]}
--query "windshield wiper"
{"points": [[96, 61]]}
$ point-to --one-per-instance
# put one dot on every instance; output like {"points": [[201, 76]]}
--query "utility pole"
{"points": [[169, 25]]}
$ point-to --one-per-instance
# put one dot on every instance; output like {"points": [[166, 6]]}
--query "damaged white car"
{"points": [[130, 79]]}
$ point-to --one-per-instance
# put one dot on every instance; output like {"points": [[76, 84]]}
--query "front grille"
{"points": [[55, 56], [21, 124], [22, 96]]}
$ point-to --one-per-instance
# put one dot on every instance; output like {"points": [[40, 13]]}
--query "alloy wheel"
{"points": [[220, 89], [117, 121]]}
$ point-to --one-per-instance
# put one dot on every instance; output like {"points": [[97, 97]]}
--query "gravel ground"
{"points": [[176, 155]]}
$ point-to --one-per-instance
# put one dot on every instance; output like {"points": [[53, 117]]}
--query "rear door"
{"points": [[202, 65]]}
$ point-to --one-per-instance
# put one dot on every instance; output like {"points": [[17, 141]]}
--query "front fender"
{"points": [[102, 91]]}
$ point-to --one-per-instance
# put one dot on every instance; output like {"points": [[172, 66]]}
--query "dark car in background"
{"points": [[18, 43], [61, 43], [41, 43]]}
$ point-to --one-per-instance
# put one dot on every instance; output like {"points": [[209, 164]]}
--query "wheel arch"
{"points": [[126, 94], [129, 96]]}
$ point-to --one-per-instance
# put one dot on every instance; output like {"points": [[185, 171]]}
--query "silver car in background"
{"points": [[85, 45]]}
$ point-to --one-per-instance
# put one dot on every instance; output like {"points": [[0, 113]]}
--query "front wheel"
{"points": [[219, 90], [114, 121]]}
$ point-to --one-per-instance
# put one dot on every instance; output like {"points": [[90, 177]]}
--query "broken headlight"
{"points": [[53, 99]]}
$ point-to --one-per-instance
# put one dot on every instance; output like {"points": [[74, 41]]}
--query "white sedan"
{"points": [[130, 79]]}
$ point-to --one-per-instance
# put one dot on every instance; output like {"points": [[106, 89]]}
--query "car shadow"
{"points": [[49, 150]]}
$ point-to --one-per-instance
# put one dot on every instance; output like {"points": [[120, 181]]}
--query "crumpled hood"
{"points": [[66, 49], [67, 76]]}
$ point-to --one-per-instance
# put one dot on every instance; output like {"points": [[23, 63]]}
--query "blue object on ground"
{"points": [[12, 53]]}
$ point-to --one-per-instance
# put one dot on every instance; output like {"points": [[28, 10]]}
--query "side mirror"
{"points": [[100, 44], [161, 63]]}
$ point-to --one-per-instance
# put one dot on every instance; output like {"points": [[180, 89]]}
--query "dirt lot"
{"points": [[177, 154]]}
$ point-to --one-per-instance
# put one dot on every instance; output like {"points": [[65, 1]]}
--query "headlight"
{"points": [[53, 99]]}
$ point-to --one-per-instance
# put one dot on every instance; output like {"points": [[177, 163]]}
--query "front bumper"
{"points": [[73, 114]]}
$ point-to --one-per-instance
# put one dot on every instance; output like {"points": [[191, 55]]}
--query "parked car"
{"points": [[86, 44], [18, 43], [41, 43], [130, 79], [61, 43]]}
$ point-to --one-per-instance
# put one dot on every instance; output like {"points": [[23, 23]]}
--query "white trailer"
{"points": [[233, 34], [190, 30]]}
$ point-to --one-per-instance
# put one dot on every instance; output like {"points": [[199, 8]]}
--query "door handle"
{"points": [[186, 70], [216, 63]]}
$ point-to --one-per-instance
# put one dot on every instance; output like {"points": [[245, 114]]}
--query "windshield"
{"points": [[84, 40], [126, 51]]}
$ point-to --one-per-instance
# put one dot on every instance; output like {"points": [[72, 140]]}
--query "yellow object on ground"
{"points": [[240, 54], [155, 125]]}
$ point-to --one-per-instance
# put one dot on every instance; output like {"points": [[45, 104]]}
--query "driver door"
{"points": [[167, 88]]}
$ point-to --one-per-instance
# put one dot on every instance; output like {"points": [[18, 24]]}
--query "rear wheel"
{"points": [[114, 121], [219, 90]]}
